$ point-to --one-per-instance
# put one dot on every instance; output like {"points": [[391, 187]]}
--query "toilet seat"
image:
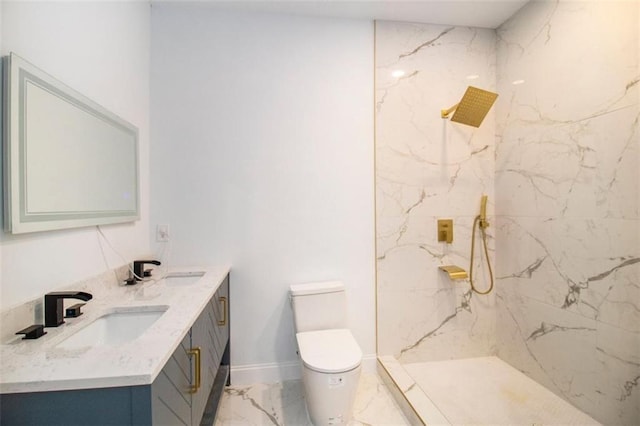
{"points": [[329, 351]]}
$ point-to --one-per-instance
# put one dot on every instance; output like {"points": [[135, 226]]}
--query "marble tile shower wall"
{"points": [[429, 168], [567, 188]]}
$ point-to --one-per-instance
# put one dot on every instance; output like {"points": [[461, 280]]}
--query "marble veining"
{"points": [[546, 328], [282, 404], [427, 43], [464, 305], [39, 365]]}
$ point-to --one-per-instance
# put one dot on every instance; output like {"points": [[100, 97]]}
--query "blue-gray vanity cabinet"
{"points": [[171, 399], [210, 334]]}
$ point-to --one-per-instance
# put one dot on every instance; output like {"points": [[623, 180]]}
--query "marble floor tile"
{"points": [[282, 404]]}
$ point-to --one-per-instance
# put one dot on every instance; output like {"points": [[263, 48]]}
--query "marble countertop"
{"points": [[38, 365]]}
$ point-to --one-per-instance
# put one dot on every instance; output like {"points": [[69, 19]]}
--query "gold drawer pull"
{"points": [[196, 352], [223, 321]]}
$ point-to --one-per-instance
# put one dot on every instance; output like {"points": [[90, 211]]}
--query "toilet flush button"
{"points": [[337, 420], [336, 381]]}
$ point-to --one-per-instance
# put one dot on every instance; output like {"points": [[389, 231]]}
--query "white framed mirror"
{"points": [[68, 162]]}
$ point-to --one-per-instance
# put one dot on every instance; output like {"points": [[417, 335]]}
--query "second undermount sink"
{"points": [[183, 278], [119, 326]]}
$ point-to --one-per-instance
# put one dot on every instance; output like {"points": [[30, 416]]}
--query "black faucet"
{"points": [[53, 305], [138, 268]]}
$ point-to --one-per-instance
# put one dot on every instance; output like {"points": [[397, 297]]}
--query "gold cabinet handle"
{"points": [[223, 321], [195, 352]]}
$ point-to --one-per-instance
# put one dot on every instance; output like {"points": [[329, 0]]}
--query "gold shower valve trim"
{"points": [[445, 230]]}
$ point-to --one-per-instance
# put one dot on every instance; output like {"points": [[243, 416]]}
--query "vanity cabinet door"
{"points": [[171, 400], [210, 334], [222, 330], [202, 341]]}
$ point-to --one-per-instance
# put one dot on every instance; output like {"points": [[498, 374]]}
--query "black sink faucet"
{"points": [[138, 268], [53, 305]]}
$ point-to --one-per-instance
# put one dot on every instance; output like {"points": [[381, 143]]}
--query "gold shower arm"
{"points": [[444, 113]]}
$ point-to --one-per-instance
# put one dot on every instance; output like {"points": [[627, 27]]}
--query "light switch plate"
{"points": [[162, 233]]}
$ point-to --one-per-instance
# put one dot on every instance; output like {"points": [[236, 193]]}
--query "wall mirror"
{"points": [[68, 162]]}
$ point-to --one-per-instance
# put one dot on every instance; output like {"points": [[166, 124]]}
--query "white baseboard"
{"points": [[279, 372], [265, 373]]}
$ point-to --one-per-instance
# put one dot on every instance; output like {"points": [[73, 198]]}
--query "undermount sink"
{"points": [[120, 326], [183, 278]]}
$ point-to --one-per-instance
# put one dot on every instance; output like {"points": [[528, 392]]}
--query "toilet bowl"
{"points": [[331, 358]]}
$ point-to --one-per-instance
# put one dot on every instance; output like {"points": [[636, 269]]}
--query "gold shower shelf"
{"points": [[454, 272]]}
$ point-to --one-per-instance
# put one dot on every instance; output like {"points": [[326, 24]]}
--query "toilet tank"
{"points": [[319, 306]]}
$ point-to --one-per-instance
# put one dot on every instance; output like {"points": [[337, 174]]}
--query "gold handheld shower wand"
{"points": [[472, 108], [481, 222], [483, 212]]}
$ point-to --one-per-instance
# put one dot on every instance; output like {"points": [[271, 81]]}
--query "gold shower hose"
{"points": [[483, 225]]}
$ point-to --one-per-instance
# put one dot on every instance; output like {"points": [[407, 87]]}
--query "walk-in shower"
{"points": [[554, 336]]}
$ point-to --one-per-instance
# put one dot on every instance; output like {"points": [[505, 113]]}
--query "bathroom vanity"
{"points": [[172, 373]]}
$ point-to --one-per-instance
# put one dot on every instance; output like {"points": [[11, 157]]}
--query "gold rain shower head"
{"points": [[472, 108]]}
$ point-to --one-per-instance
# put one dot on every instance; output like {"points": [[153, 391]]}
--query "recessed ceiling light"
{"points": [[397, 73], [473, 77], [517, 82]]}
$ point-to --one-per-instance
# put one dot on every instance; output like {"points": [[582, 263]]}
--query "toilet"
{"points": [[330, 355]]}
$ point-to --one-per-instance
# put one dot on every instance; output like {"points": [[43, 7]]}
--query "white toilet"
{"points": [[330, 355]]}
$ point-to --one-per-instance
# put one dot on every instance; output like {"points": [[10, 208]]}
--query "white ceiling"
{"points": [[472, 13]]}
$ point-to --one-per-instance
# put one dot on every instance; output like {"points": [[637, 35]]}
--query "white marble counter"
{"points": [[38, 365]]}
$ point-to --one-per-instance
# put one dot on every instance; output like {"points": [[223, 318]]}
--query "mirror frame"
{"points": [[18, 218]]}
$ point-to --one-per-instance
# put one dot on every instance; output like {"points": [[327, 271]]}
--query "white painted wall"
{"points": [[262, 129], [100, 49], [1, 171]]}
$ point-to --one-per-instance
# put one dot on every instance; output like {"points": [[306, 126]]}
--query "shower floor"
{"points": [[484, 391]]}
